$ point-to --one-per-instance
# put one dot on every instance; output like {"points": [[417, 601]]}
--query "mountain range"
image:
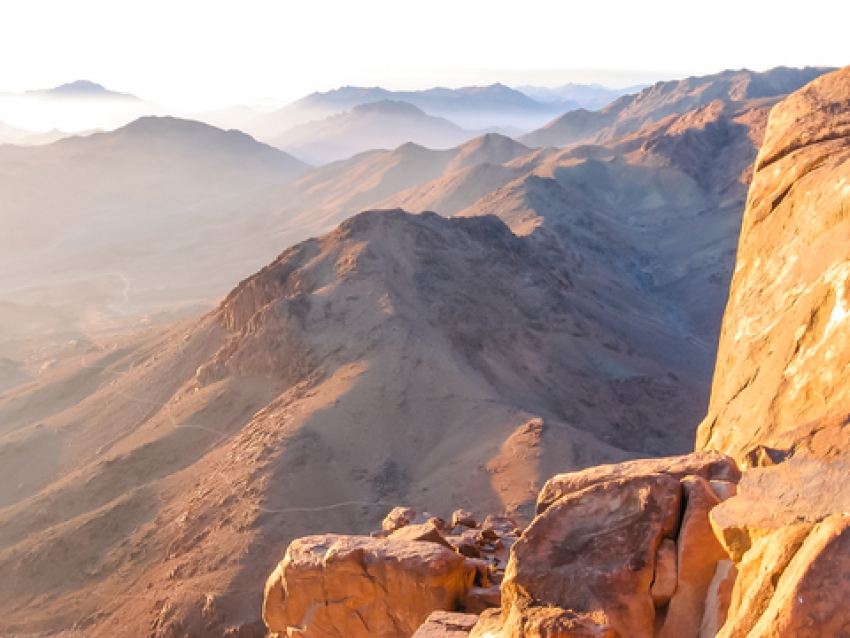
{"points": [[566, 315], [473, 108]]}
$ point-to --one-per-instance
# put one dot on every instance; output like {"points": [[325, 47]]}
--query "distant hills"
{"points": [[384, 124], [631, 112], [86, 220], [470, 108], [82, 90]]}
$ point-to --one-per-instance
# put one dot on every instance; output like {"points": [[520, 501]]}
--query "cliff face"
{"points": [[782, 369]]}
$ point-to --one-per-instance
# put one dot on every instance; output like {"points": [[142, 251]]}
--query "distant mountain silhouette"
{"points": [[470, 107], [385, 124], [81, 90], [631, 112]]}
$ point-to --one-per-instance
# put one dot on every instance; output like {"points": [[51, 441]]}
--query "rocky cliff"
{"points": [[782, 369]]}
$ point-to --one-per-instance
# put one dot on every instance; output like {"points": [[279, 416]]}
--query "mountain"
{"points": [[123, 223], [780, 384], [384, 124], [588, 96], [398, 357], [475, 108], [631, 112], [82, 90], [324, 197]]}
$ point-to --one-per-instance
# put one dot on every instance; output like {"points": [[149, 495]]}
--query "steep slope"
{"points": [[132, 221], [781, 376], [384, 124], [400, 357], [661, 206], [468, 107], [631, 112]]}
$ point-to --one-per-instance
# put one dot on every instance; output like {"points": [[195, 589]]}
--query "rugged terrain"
{"points": [[564, 318], [684, 547]]}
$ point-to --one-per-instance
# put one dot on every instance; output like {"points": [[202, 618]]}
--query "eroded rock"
{"points": [[711, 465], [589, 560], [363, 587]]}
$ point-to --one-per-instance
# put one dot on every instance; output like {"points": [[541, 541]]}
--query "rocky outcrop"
{"points": [[442, 624], [781, 381], [618, 550], [362, 587]]}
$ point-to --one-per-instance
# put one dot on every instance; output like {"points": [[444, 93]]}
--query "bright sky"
{"points": [[205, 53]]}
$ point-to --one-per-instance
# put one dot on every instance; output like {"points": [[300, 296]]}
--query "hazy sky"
{"points": [[199, 53]]}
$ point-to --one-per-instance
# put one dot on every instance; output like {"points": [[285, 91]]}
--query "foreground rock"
{"points": [[362, 587], [609, 556]]}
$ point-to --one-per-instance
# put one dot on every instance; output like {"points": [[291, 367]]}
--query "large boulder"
{"points": [[359, 587], [588, 562], [711, 465]]}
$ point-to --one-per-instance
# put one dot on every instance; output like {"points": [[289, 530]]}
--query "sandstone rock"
{"points": [[495, 527], [398, 518], [800, 489], [811, 598], [464, 518], [443, 624], [553, 622], [362, 587], [710, 465], [666, 574], [758, 575], [489, 624], [782, 380], [464, 545], [427, 532], [482, 572], [699, 552], [718, 598], [481, 598], [589, 560]]}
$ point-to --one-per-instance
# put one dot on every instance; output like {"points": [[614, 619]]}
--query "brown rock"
{"points": [[718, 599], [495, 527], [464, 545], [782, 379], [464, 518], [699, 551], [666, 576], [482, 572], [800, 489], [489, 624], [811, 598], [481, 598], [361, 587], [758, 575], [398, 518], [553, 622], [427, 532], [708, 464], [444, 624], [593, 553]]}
